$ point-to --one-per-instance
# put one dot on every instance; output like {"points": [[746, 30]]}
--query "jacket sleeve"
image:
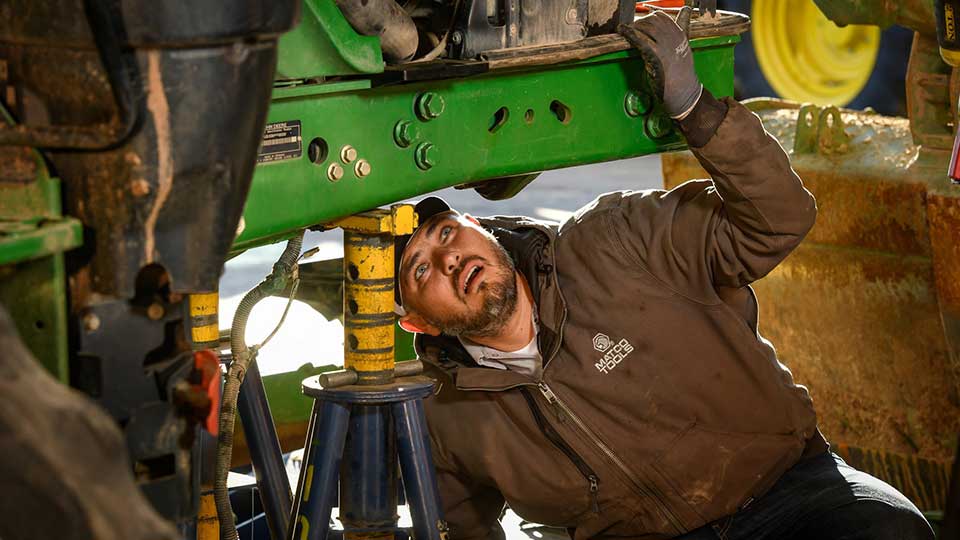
{"points": [[472, 511], [726, 233]]}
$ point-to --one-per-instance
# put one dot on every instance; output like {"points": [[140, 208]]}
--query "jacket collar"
{"points": [[530, 243]]}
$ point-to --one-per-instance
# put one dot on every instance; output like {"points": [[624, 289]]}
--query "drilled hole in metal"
{"points": [[561, 111], [317, 150], [499, 119]]}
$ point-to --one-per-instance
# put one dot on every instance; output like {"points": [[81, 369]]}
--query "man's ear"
{"points": [[413, 323], [471, 219]]}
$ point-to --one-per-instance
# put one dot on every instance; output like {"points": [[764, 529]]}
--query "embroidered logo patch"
{"points": [[601, 342], [613, 353]]}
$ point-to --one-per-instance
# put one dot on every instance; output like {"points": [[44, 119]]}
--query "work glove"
{"points": [[665, 49]]}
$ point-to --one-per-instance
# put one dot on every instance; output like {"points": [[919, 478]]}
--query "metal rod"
{"points": [[346, 377], [368, 475], [319, 488], [416, 464], [265, 454]]}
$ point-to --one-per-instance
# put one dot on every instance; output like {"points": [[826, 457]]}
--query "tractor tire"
{"points": [[884, 91]]}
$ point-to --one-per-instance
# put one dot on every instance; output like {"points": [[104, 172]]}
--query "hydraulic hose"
{"points": [[283, 271]]}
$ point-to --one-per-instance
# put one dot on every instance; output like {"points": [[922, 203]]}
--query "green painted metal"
{"points": [[287, 404], [33, 285], [324, 44], [26, 241], [35, 292], [578, 117]]}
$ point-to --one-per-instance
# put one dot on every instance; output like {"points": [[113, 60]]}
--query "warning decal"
{"points": [[281, 141]]}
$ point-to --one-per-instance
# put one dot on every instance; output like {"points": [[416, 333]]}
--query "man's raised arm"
{"points": [[729, 232]]}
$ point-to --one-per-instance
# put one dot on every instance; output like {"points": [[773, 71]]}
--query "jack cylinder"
{"points": [[203, 324]]}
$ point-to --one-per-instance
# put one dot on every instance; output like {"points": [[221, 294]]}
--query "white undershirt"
{"points": [[525, 360]]}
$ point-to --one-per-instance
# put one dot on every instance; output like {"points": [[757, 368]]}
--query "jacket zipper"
{"points": [[571, 454], [555, 401]]}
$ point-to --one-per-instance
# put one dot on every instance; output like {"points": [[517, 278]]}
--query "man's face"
{"points": [[456, 277]]}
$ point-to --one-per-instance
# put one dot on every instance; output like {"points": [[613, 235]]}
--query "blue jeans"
{"points": [[823, 498]]}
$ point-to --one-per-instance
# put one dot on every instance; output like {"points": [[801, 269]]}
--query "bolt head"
{"points": [[636, 104], [155, 312], [429, 106], [571, 16], [334, 172], [658, 126], [457, 37], [404, 133], [348, 154], [362, 168], [140, 187], [425, 156], [91, 323]]}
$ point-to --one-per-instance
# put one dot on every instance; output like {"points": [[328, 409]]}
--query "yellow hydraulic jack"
{"points": [[371, 413]]}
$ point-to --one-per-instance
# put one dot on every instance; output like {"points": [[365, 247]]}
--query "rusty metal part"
{"points": [[727, 23], [931, 96], [120, 65], [864, 311], [916, 15]]}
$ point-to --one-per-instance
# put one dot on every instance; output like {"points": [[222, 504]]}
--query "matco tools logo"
{"points": [[613, 353]]}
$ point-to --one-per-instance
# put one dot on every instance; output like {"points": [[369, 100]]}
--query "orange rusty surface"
{"points": [[943, 214], [862, 331]]}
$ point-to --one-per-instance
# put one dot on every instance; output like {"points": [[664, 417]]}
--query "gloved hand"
{"points": [[665, 49], [705, 6]]}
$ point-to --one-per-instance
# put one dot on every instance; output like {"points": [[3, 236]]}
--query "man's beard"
{"points": [[499, 303]]}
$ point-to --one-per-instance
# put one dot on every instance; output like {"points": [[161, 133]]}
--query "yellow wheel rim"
{"points": [[806, 57]]}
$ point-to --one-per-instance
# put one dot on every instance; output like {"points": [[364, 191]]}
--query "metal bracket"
{"points": [[820, 130], [398, 220]]}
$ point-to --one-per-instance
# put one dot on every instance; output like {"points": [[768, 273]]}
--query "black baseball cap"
{"points": [[425, 209]]}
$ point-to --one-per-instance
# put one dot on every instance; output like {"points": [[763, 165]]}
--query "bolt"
{"points": [[658, 126], [155, 312], [571, 16], [429, 106], [635, 103], [362, 168], [457, 37], [334, 172], [139, 187], [91, 323], [425, 155], [404, 133], [348, 153]]}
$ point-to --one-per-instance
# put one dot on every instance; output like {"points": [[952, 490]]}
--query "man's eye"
{"points": [[445, 231], [419, 271]]}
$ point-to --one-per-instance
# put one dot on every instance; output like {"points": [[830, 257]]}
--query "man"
{"points": [[608, 377]]}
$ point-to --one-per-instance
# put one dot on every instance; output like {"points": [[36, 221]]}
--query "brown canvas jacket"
{"points": [[659, 407]]}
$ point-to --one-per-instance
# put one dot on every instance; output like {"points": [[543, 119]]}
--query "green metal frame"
{"points": [[33, 285], [295, 193]]}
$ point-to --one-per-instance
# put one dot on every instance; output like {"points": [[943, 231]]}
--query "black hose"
{"points": [[243, 356]]}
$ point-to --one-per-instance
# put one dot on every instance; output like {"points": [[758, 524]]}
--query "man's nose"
{"points": [[450, 260]]}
